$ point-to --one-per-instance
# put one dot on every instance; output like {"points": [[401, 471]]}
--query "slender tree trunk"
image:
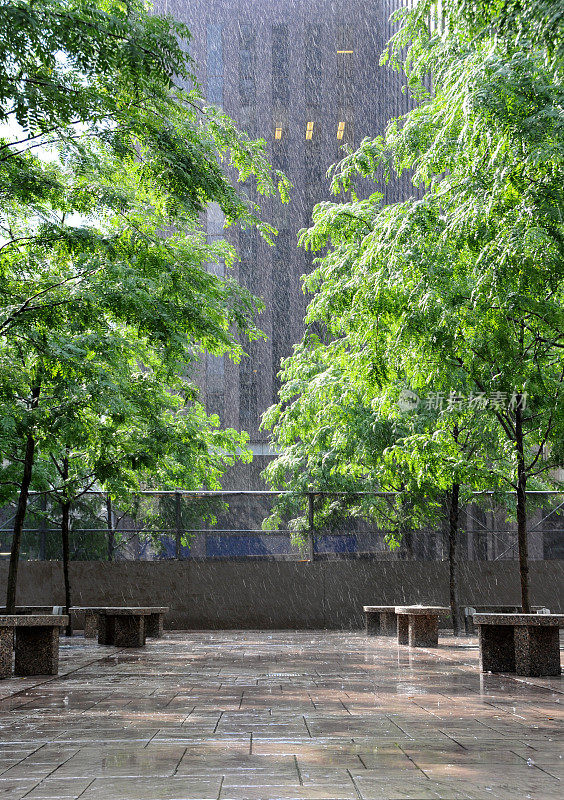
{"points": [[42, 526], [454, 501], [65, 536], [522, 509], [178, 519], [310, 526], [111, 533], [21, 511], [65, 508]]}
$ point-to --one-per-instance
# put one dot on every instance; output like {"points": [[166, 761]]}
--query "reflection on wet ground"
{"points": [[262, 714]]}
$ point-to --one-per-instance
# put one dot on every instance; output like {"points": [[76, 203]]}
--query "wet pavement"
{"points": [[264, 715]]}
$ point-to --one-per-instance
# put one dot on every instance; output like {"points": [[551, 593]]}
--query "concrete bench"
{"points": [[90, 619], [153, 619], [418, 626], [469, 611], [36, 643], [524, 644], [122, 627], [380, 620], [35, 609]]}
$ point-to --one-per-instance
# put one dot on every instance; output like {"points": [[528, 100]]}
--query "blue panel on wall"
{"points": [[336, 543]]}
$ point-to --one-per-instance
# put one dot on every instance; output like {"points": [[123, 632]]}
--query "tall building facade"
{"points": [[304, 76]]}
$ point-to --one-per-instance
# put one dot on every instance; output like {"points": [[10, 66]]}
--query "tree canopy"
{"points": [[458, 290], [108, 159]]}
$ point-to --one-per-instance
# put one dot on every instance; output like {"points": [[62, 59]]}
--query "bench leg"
{"points": [[403, 629], [424, 630], [372, 623], [6, 648], [497, 648], [537, 651], [129, 631], [154, 626], [388, 623], [37, 650], [106, 628], [90, 624]]}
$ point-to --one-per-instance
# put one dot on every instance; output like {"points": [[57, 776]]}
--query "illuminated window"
{"points": [[309, 130], [345, 52], [340, 130], [278, 133]]}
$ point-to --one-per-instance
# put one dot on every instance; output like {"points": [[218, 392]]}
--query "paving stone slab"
{"points": [[223, 714]]}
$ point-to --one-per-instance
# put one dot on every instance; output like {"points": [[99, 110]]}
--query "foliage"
{"points": [[108, 158], [459, 288], [179, 516], [42, 539]]}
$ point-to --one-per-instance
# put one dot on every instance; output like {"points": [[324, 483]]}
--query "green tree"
{"points": [[106, 165], [443, 464], [488, 287], [343, 428], [334, 426], [460, 286]]}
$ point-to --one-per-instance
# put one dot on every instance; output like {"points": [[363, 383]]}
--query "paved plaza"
{"points": [[262, 714]]}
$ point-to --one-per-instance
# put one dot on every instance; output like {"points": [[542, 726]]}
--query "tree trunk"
{"points": [[42, 527], [310, 527], [522, 509], [111, 533], [178, 520], [21, 511], [65, 536], [452, 556]]}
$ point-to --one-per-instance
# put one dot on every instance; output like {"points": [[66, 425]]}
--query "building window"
{"points": [[345, 65], [247, 55], [215, 233], [248, 256], [248, 391], [314, 173], [313, 65], [215, 385], [280, 65], [215, 64], [282, 293], [280, 158]]}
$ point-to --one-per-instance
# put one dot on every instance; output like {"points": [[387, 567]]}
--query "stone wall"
{"points": [[279, 594]]}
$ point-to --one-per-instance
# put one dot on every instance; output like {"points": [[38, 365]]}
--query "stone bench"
{"points": [[122, 627], [524, 644], [469, 611], [418, 626], [36, 643], [153, 619], [90, 620], [35, 609], [380, 620]]}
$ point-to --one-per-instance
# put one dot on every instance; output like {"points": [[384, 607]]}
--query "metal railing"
{"points": [[181, 524]]}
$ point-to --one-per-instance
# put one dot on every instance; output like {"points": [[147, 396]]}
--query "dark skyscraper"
{"points": [[303, 75]]}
